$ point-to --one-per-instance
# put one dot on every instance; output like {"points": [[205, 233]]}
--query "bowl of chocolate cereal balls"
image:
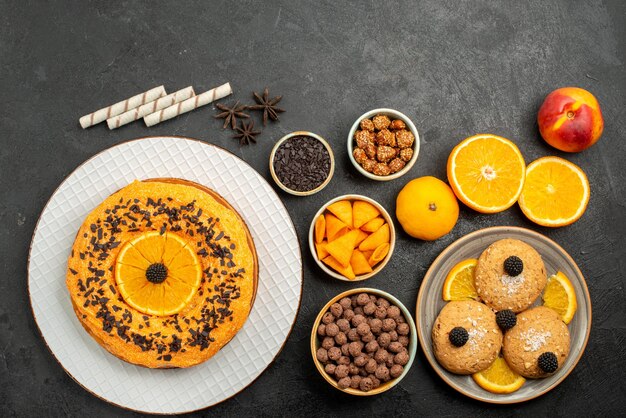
{"points": [[383, 144], [363, 341]]}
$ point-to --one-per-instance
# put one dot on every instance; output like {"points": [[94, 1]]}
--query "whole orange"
{"points": [[427, 208], [570, 119]]}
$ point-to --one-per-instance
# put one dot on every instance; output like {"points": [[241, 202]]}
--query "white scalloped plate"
{"points": [[256, 345]]}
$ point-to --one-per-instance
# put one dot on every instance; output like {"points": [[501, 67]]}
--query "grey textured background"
{"points": [[455, 67]]}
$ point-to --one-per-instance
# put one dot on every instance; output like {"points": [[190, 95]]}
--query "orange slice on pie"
{"points": [[157, 274], [486, 172]]}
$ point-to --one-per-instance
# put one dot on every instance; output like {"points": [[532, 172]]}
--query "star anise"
{"points": [[267, 105], [230, 114], [246, 133]]}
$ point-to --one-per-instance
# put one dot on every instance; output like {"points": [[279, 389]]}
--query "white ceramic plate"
{"points": [[241, 361], [430, 302]]}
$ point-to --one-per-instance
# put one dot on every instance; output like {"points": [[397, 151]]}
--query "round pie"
{"points": [[163, 273]]}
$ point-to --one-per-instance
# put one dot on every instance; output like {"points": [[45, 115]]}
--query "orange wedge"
{"points": [[459, 283], [342, 210], [363, 212], [560, 295], [486, 172], [556, 192], [157, 274], [499, 378]]}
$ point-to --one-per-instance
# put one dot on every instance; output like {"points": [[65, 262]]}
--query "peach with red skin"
{"points": [[570, 119]]}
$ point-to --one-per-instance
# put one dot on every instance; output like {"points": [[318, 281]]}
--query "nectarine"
{"points": [[570, 119]]}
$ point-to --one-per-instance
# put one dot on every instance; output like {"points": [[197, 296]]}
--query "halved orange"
{"points": [[157, 274], [499, 378], [556, 192], [486, 172], [459, 283], [560, 296]]}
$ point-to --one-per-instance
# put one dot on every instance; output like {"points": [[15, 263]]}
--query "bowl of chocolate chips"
{"points": [[302, 163], [383, 144], [363, 341]]}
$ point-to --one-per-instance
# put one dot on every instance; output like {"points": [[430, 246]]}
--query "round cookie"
{"points": [[538, 330], [482, 346], [499, 290]]}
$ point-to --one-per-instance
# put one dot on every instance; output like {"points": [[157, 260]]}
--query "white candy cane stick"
{"points": [[158, 104], [188, 105], [121, 107]]}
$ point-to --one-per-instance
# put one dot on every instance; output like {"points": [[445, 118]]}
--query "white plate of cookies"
{"points": [[507, 328]]}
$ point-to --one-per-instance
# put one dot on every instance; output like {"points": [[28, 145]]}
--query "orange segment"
{"points": [[320, 229], [359, 263], [333, 226], [556, 192], [486, 172], [178, 277], [342, 210], [363, 212], [499, 378], [560, 295], [377, 238], [459, 283], [341, 248], [373, 225], [347, 272]]}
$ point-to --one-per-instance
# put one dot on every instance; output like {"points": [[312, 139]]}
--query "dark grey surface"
{"points": [[455, 67]]}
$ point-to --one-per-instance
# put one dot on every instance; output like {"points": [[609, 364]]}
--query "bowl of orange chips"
{"points": [[352, 237]]}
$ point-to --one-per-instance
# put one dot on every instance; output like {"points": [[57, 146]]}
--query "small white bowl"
{"points": [[379, 266], [330, 154], [393, 114]]}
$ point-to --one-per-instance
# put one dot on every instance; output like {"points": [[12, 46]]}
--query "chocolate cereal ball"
{"points": [[381, 355], [361, 360], [366, 384], [345, 360], [345, 349], [334, 353], [355, 348], [395, 347], [381, 312], [392, 312], [353, 301], [328, 342], [370, 308], [402, 358], [358, 310], [344, 382], [363, 329], [372, 346], [332, 329], [345, 303], [321, 330], [404, 340], [400, 320], [389, 362], [375, 380], [403, 329], [362, 299], [330, 368], [376, 325], [348, 314], [353, 335], [358, 319], [383, 302], [371, 365], [328, 318], [382, 373], [353, 369], [341, 371], [388, 325], [336, 310], [322, 355], [384, 339], [355, 380], [343, 324], [341, 338], [396, 370], [368, 337], [393, 335]]}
